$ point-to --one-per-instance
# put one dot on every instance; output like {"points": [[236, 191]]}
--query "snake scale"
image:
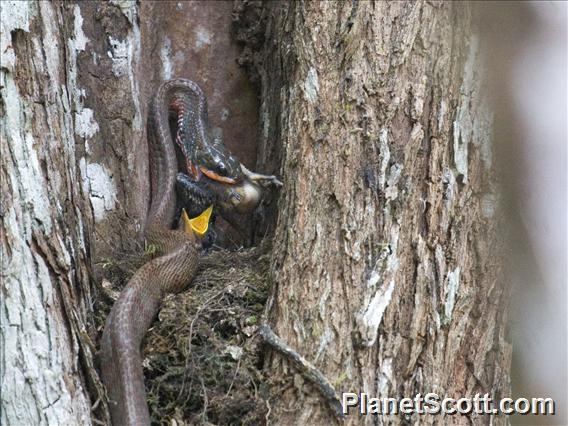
{"points": [[138, 303]]}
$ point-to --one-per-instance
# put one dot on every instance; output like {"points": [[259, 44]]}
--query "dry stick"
{"points": [[191, 337], [306, 368], [234, 378]]}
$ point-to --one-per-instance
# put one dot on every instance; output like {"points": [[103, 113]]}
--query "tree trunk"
{"points": [[384, 263], [383, 274], [45, 248]]}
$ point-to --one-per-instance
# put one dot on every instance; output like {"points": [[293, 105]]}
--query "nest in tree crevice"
{"points": [[202, 356]]}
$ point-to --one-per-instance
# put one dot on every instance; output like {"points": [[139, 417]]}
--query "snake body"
{"points": [[210, 173], [138, 303]]}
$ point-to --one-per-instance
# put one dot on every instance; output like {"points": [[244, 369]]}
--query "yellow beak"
{"points": [[198, 225]]}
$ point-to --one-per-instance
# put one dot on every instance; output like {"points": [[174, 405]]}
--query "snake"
{"points": [[210, 173]]}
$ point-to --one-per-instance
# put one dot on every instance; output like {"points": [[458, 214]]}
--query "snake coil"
{"points": [[139, 301]]}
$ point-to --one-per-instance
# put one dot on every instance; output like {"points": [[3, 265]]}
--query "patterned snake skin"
{"points": [[138, 303]]}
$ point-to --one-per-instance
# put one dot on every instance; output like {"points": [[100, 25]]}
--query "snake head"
{"points": [[220, 166]]}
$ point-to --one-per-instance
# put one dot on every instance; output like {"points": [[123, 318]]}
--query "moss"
{"points": [[252, 320], [151, 250], [340, 379], [316, 331]]}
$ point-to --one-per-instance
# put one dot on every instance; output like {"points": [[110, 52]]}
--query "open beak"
{"points": [[198, 225]]}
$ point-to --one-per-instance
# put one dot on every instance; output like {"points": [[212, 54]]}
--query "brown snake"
{"points": [[138, 303]]}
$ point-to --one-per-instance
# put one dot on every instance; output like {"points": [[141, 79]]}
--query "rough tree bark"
{"points": [[384, 266], [46, 291], [383, 275]]}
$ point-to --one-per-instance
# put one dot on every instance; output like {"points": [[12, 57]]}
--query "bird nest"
{"points": [[202, 358]]}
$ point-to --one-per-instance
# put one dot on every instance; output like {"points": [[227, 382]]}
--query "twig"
{"points": [[234, 377], [201, 308], [306, 368], [267, 411], [205, 399]]}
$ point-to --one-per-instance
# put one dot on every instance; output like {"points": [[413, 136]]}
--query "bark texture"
{"points": [[384, 265], [383, 275], [45, 252]]}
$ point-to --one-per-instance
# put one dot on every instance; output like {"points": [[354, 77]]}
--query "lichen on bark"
{"points": [[45, 266]]}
